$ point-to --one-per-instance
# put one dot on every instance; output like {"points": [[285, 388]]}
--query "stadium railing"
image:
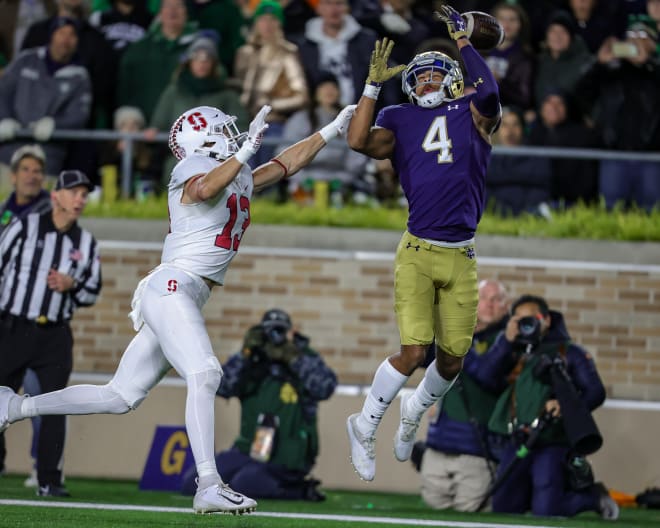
{"points": [[131, 138]]}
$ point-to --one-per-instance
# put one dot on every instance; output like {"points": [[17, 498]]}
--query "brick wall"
{"points": [[345, 305]]}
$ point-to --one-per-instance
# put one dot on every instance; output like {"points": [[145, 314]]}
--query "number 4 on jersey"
{"points": [[437, 139], [224, 240]]}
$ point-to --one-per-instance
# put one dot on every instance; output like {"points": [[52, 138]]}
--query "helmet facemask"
{"points": [[433, 63]]}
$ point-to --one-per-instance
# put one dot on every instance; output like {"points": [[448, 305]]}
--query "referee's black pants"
{"points": [[48, 350]]}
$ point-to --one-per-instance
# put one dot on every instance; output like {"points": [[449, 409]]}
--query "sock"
{"points": [[208, 474], [385, 386], [430, 390]]}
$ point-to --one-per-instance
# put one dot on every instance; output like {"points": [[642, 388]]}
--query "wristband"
{"points": [[329, 132], [243, 155], [371, 90]]}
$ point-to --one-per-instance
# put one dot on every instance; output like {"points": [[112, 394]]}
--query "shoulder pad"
{"points": [[189, 167]]}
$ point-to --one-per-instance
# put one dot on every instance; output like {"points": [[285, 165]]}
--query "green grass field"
{"points": [[105, 503]]}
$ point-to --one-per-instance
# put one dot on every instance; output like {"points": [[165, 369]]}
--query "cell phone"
{"points": [[624, 50]]}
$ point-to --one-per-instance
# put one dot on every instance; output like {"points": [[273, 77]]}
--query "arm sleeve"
{"points": [[487, 98], [586, 379], [231, 377]]}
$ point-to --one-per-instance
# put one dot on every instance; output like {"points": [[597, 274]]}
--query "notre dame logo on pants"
{"points": [[169, 458]]}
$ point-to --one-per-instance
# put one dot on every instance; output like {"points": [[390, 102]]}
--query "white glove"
{"points": [[394, 23], [43, 128], [339, 125], [255, 134], [8, 128]]}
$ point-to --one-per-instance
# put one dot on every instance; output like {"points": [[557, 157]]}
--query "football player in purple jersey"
{"points": [[439, 145]]}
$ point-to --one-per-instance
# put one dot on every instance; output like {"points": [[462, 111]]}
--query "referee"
{"points": [[48, 267]]}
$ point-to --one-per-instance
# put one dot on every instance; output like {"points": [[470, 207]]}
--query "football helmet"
{"points": [[451, 86], [205, 130]]}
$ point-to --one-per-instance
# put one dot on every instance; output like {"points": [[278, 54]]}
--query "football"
{"points": [[484, 31]]}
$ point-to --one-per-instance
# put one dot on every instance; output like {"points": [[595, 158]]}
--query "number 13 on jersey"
{"points": [[225, 240]]}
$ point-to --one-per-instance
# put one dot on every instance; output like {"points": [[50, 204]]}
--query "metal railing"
{"points": [[131, 138]]}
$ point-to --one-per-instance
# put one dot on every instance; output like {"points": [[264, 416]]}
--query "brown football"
{"points": [[484, 31]]}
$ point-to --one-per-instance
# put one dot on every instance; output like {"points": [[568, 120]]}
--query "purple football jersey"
{"points": [[441, 159]]}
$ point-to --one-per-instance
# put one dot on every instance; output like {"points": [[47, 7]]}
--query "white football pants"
{"points": [[173, 335]]}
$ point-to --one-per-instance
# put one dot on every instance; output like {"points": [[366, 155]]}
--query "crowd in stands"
{"points": [[571, 73]]}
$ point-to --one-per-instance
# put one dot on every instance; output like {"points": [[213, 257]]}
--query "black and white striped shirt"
{"points": [[29, 248]]}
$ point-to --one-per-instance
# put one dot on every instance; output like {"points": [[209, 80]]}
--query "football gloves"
{"points": [[455, 23], [339, 125], [256, 131], [378, 70]]}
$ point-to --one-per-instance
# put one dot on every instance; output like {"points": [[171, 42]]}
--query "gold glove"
{"points": [[378, 70], [455, 23]]}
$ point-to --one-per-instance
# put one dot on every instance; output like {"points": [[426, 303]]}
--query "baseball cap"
{"points": [[276, 318], [72, 178]]}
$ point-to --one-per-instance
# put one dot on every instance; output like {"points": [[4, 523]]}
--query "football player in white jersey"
{"points": [[209, 204]]}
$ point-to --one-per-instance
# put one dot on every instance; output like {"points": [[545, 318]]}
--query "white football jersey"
{"points": [[204, 236]]}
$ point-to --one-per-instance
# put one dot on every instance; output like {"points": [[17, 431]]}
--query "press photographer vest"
{"points": [[524, 400], [296, 442]]}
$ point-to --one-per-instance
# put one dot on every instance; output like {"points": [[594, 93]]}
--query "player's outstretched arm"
{"points": [[215, 181], [300, 154], [486, 103], [375, 142]]}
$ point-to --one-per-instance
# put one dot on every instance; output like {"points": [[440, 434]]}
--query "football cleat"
{"points": [[220, 498], [404, 440], [52, 490], [363, 450]]}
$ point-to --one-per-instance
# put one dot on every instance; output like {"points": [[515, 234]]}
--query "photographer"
{"points": [[536, 353], [279, 380]]}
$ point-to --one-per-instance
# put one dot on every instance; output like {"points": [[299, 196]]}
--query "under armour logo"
{"points": [[478, 82], [450, 107], [469, 253], [172, 285], [411, 246]]}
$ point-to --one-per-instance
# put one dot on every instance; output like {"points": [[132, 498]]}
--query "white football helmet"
{"points": [[452, 82], [205, 130]]}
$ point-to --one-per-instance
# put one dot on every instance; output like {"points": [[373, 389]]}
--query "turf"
{"points": [[365, 509]]}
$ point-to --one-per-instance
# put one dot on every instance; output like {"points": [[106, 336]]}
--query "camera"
{"points": [[276, 334], [529, 331]]}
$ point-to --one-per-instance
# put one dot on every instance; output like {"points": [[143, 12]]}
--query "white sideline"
{"points": [[308, 516]]}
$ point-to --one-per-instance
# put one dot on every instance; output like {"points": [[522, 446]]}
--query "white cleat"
{"points": [[404, 439], [363, 450], [220, 498], [6, 395]]}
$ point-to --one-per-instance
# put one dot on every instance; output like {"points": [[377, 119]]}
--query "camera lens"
{"points": [[528, 325]]}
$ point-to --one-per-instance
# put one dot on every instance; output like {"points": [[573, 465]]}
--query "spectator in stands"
{"points": [[396, 20], [129, 119], [458, 463], [558, 125], [199, 80], [94, 53], [653, 10], [595, 20], [269, 69], [55, 95], [124, 22], [335, 42], [537, 13], [517, 184], [225, 18], [146, 67], [630, 122], [563, 58], [338, 165], [280, 381], [512, 62]]}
